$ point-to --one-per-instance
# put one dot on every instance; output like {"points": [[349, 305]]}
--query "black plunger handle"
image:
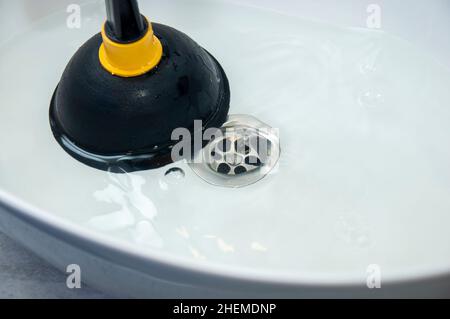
{"points": [[124, 24]]}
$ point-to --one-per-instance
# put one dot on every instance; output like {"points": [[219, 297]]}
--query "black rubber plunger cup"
{"points": [[129, 87]]}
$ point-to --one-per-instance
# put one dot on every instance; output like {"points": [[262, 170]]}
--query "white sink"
{"points": [[359, 92]]}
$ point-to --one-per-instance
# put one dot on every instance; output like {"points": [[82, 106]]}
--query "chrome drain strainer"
{"points": [[241, 153]]}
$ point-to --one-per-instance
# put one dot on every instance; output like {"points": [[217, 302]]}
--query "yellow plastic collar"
{"points": [[131, 59]]}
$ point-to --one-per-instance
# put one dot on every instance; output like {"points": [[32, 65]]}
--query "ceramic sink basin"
{"points": [[360, 197]]}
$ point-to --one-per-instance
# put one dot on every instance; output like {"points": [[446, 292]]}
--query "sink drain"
{"points": [[242, 153]]}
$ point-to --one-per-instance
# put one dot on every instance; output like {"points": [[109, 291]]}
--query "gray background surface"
{"points": [[24, 275]]}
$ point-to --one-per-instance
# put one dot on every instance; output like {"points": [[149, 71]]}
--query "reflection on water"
{"points": [[133, 210]]}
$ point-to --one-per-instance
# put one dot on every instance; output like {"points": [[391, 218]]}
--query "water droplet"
{"points": [[371, 99], [367, 68], [258, 247], [362, 241]]}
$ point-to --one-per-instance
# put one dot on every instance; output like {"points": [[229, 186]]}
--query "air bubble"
{"points": [[175, 173]]}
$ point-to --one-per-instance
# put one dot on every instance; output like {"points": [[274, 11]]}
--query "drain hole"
{"points": [[253, 161], [223, 168], [246, 151], [216, 156], [261, 145], [224, 145], [241, 147], [240, 170]]}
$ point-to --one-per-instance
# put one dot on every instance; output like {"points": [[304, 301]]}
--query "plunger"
{"points": [[129, 87]]}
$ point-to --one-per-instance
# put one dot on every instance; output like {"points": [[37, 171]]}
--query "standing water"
{"points": [[364, 121]]}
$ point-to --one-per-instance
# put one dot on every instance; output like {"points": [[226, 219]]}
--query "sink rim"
{"points": [[124, 253], [183, 270]]}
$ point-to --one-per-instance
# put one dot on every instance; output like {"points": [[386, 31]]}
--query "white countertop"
{"points": [[24, 275]]}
